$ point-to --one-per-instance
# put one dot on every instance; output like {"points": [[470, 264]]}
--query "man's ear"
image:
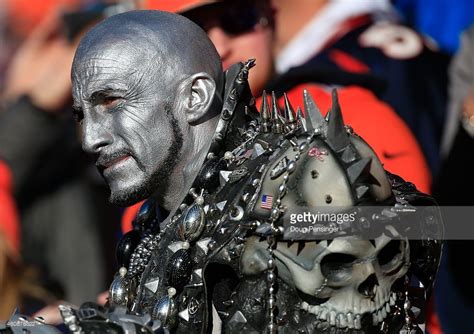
{"points": [[199, 91]]}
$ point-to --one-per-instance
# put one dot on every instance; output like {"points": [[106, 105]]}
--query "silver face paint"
{"points": [[126, 125], [126, 89]]}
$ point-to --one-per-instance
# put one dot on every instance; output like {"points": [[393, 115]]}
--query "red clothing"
{"points": [[128, 216], [378, 125], [9, 225]]}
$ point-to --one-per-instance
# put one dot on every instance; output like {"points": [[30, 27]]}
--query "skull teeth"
{"points": [[381, 313], [393, 298], [358, 322], [323, 314], [341, 320], [349, 320]]}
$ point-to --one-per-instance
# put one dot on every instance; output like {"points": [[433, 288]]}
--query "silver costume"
{"points": [[226, 247]]}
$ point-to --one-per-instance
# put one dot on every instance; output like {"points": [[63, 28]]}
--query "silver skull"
{"points": [[345, 278]]}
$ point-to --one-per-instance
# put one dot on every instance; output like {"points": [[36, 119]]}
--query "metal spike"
{"points": [[184, 315], [249, 64], [276, 123], [301, 120], [152, 285], [312, 114], [244, 72], [265, 114], [284, 124], [359, 168], [336, 132], [289, 111], [282, 119]]}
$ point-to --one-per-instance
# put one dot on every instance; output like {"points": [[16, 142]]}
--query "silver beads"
{"points": [[291, 167], [255, 182], [142, 254], [119, 291], [166, 309], [192, 224]]}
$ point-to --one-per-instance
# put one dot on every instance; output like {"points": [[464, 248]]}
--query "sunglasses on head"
{"points": [[233, 18]]}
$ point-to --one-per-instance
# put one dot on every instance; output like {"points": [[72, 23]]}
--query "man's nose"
{"points": [[95, 136], [221, 41]]}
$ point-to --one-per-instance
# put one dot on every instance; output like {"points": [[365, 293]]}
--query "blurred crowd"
{"points": [[405, 76]]}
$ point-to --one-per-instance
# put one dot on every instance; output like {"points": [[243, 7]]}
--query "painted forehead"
{"points": [[113, 65]]}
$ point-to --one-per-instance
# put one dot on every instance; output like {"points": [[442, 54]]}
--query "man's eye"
{"points": [[110, 102], [78, 115]]}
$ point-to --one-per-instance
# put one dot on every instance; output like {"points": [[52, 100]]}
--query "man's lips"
{"points": [[105, 162], [116, 161]]}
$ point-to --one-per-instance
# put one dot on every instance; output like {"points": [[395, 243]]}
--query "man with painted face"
{"points": [[146, 107], [210, 250]]}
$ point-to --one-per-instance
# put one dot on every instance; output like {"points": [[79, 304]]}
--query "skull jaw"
{"points": [[326, 314]]}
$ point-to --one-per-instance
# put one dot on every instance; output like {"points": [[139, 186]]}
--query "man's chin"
{"points": [[127, 197]]}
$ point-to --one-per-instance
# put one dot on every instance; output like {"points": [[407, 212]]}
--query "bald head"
{"points": [[153, 39], [147, 88]]}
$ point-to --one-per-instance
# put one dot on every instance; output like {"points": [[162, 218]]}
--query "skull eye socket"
{"points": [[337, 267], [390, 257]]}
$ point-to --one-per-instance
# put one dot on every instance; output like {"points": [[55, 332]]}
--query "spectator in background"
{"points": [[63, 212], [358, 43], [441, 20], [454, 188], [461, 83], [18, 18], [240, 30], [19, 287]]}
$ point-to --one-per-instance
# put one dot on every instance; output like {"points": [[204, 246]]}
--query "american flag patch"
{"points": [[267, 202]]}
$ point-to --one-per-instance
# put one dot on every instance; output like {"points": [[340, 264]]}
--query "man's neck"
{"points": [[195, 150]]}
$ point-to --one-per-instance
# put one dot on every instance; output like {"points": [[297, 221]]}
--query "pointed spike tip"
{"points": [[336, 132], [264, 113], [275, 107], [312, 114], [289, 111], [299, 113], [277, 124], [250, 63]]}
